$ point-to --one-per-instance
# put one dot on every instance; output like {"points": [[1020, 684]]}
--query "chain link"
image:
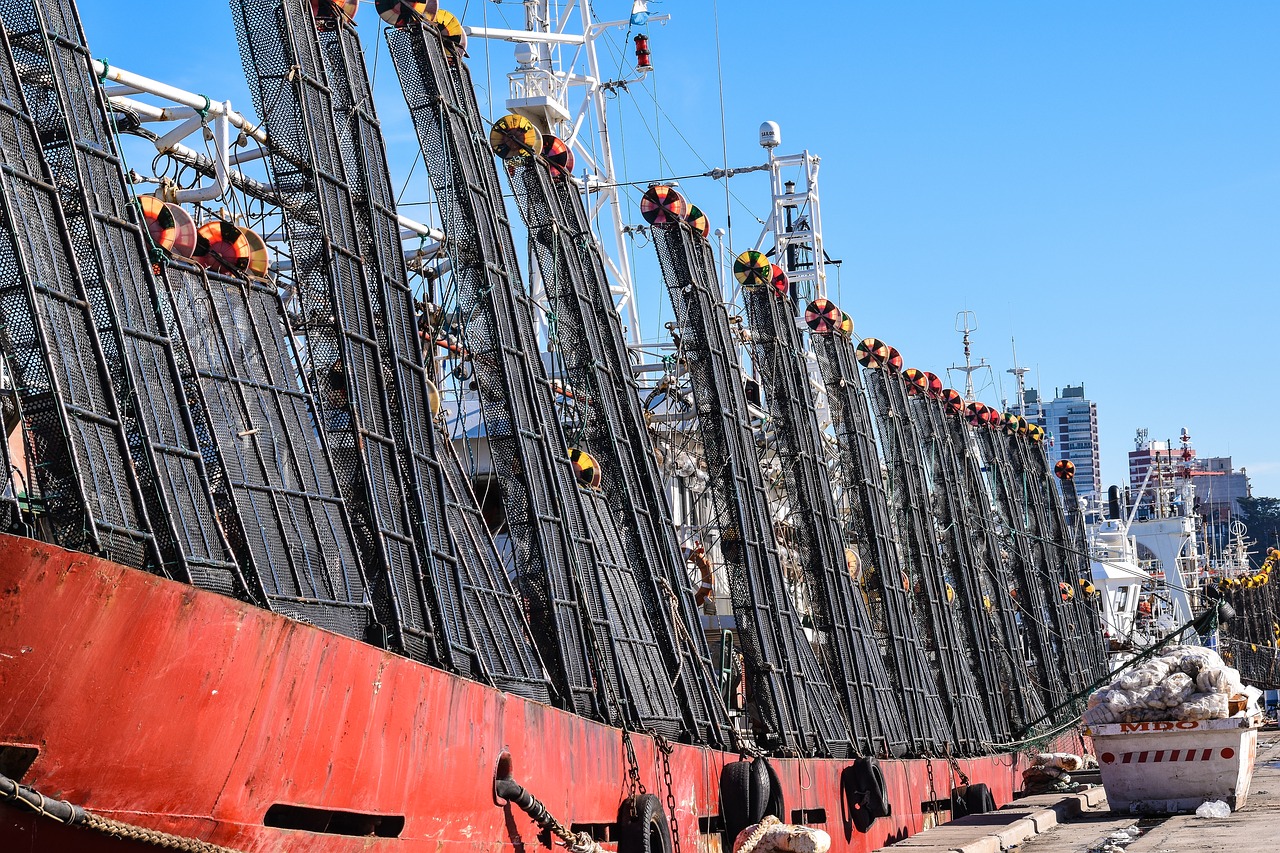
{"points": [[933, 792], [664, 749], [635, 785]]}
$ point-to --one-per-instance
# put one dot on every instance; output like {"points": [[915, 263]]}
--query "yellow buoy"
{"points": [[514, 136]]}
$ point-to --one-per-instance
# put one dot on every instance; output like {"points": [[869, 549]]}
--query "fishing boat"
{"points": [[327, 531]]}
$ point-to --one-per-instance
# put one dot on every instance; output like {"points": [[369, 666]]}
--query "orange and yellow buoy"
{"points": [[514, 136], [221, 246], [401, 13], [752, 269], [662, 205]]}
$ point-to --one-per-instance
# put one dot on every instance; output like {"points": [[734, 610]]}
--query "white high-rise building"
{"points": [[1072, 423]]}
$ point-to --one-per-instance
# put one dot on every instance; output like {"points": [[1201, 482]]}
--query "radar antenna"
{"points": [[966, 322]]}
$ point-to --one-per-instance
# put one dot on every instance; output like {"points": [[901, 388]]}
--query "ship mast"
{"points": [[966, 322]]}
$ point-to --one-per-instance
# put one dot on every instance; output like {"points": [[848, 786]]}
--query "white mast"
{"points": [[795, 220], [966, 322], [540, 90]]}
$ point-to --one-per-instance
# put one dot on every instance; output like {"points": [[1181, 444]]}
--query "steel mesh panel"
{"points": [[936, 620], [1066, 531], [278, 492], [796, 705], [851, 652], [75, 438], [464, 576], [566, 551], [592, 357], [1250, 640], [962, 510], [1031, 583], [1044, 531], [881, 554], [281, 57], [952, 529], [79, 147]]}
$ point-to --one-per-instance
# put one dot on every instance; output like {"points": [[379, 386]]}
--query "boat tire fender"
{"points": [[864, 794], [979, 800], [775, 802], [740, 802], [642, 826]]}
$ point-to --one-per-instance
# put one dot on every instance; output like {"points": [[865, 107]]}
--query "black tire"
{"points": [[979, 800], [870, 779], [735, 800], [643, 827], [853, 803], [761, 789], [775, 802], [959, 808]]}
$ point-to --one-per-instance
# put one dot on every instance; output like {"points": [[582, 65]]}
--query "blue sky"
{"points": [[1099, 181]]}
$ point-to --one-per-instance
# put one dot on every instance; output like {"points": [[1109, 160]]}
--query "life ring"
{"points": [[696, 558], [642, 826]]}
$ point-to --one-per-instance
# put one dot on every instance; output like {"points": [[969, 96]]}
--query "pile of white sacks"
{"points": [[1182, 683]]}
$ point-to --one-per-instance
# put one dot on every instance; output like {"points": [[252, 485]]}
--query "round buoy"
{"points": [[752, 269], [916, 382], [160, 221], [986, 603], [935, 385], [1009, 421], [852, 565], [976, 413], [952, 399], [951, 594], [187, 234], [872, 353], [259, 260], [822, 316], [325, 10], [1064, 469], [222, 247], [994, 418], [1035, 432], [451, 28], [585, 468], [1065, 591], [698, 220], [514, 136], [894, 361], [779, 280], [906, 582], [559, 156], [846, 325], [662, 205], [401, 13]]}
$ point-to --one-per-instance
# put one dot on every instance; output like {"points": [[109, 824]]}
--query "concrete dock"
{"points": [[1082, 823]]}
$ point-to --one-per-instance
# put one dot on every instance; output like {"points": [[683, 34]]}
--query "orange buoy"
{"points": [[585, 468], [933, 385], [697, 220], [1064, 469], [401, 13], [160, 222], [779, 280], [451, 28], [977, 413], [822, 316], [558, 155], [662, 205], [894, 362], [852, 564], [952, 399], [222, 247], [873, 353], [259, 260], [325, 11], [846, 325], [917, 383]]}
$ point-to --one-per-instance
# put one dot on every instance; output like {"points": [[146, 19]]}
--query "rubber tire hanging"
{"points": [[642, 826]]}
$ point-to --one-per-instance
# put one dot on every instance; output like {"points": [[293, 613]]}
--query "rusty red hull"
{"points": [[183, 711]]}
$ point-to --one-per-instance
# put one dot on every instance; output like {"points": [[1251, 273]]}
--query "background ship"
{"points": [[312, 538]]}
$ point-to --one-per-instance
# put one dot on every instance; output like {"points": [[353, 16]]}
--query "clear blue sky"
{"points": [[1099, 180]]}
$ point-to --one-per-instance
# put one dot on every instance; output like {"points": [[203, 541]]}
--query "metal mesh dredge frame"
{"points": [[594, 360], [794, 700], [871, 526], [483, 631], [568, 555], [111, 251], [75, 441], [281, 57], [852, 656]]}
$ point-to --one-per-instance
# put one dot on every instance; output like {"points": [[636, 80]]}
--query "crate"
{"points": [[1173, 766]]}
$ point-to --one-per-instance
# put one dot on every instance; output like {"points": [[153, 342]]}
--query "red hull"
{"points": [[180, 710]]}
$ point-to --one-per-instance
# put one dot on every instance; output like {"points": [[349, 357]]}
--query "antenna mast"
{"points": [[966, 322], [1018, 372]]}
